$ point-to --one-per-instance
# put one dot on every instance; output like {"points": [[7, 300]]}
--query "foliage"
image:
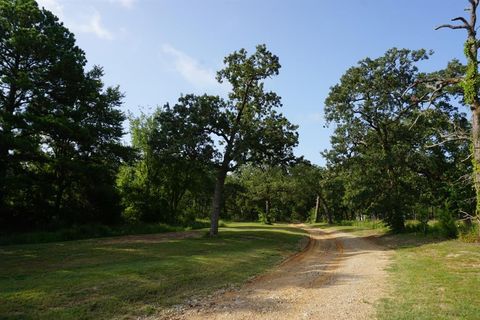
{"points": [[181, 145], [469, 232], [447, 222], [273, 193], [60, 128], [385, 148], [154, 187], [471, 83]]}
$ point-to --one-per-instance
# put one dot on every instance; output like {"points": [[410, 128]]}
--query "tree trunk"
{"points": [[6, 140], [476, 154], [317, 205], [217, 200], [327, 212]]}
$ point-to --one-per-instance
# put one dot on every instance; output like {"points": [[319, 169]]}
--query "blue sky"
{"points": [[158, 49]]}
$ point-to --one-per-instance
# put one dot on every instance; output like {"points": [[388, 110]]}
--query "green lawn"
{"points": [[95, 279], [431, 277], [437, 280]]}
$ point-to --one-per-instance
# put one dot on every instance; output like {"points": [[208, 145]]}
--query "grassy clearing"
{"points": [[94, 231], [431, 277], [95, 279], [360, 228]]}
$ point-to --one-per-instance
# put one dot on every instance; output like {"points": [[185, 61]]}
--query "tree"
{"points": [[174, 159], [60, 129], [469, 85], [252, 130], [245, 128], [380, 132]]}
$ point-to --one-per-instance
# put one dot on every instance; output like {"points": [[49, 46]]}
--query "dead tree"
{"points": [[470, 85]]}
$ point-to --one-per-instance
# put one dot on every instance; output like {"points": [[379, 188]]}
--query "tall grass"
{"points": [[367, 224]]}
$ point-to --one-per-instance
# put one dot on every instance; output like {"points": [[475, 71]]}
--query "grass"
{"points": [[94, 231], [431, 277], [97, 279], [360, 228]]}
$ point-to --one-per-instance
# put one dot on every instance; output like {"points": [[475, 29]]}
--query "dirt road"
{"points": [[337, 276]]}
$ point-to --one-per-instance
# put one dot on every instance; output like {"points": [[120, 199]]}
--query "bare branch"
{"points": [[461, 19], [451, 26]]}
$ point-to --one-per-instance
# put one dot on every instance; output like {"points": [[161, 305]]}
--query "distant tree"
{"points": [[308, 187], [174, 159], [276, 193]]}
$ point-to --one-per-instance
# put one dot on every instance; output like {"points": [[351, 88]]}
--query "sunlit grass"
{"points": [[97, 280], [430, 277]]}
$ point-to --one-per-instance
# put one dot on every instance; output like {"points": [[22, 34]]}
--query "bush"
{"points": [[469, 233], [312, 216], [447, 223], [264, 218]]}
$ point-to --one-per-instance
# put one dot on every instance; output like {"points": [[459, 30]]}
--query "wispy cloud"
{"points": [[54, 6], [190, 69], [124, 3], [90, 23], [94, 26]]}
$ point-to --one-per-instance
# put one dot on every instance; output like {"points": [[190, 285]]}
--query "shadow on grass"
{"points": [[386, 238]]}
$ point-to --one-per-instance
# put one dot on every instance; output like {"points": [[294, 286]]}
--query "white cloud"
{"points": [[190, 69], [94, 26], [91, 23], [54, 6], [124, 3]]}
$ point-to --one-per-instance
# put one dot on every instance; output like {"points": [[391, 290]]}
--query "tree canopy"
{"points": [[60, 129]]}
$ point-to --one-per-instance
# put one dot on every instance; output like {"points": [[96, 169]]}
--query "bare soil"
{"points": [[336, 276]]}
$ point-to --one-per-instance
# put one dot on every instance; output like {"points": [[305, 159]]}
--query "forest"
{"points": [[401, 149], [404, 155]]}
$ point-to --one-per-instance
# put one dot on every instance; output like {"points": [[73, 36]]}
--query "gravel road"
{"points": [[337, 276]]}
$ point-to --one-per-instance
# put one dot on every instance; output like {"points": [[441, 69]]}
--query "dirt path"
{"points": [[337, 276]]}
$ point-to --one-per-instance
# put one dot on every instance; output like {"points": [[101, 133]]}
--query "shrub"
{"points": [[447, 223], [469, 232]]}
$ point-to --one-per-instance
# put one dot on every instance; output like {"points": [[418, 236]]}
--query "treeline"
{"points": [[401, 148], [60, 128]]}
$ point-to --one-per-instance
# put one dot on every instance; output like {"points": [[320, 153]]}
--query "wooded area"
{"points": [[403, 147], [201, 208]]}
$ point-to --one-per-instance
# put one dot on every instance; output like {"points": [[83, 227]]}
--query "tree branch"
{"points": [[451, 26]]}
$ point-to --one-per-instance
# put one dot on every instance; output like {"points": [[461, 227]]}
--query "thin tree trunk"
{"points": [[5, 141], [317, 205], [327, 212]]}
